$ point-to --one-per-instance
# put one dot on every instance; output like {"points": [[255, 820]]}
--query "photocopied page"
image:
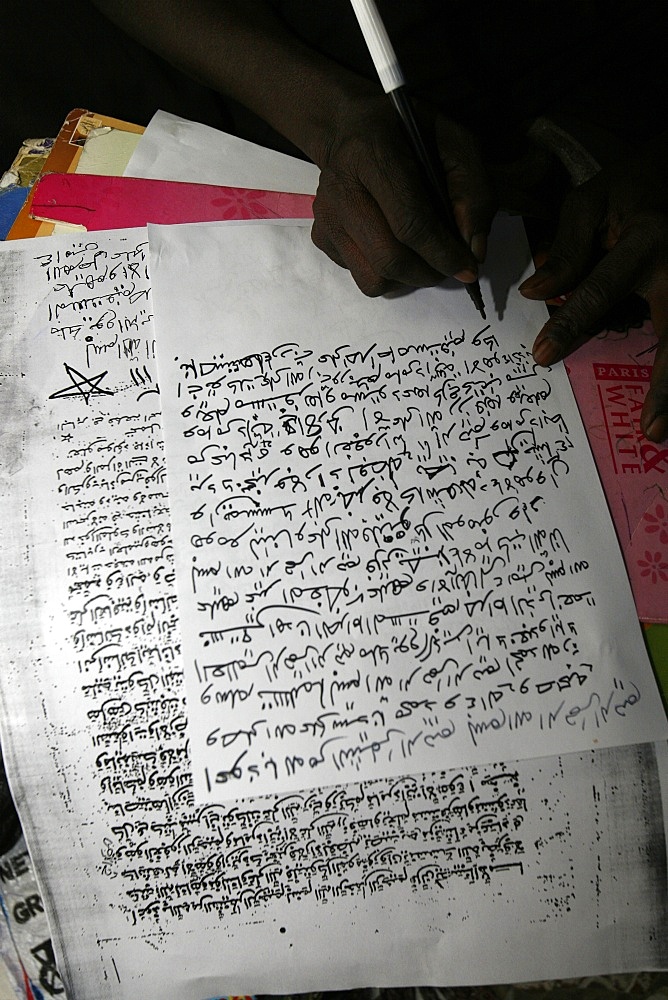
{"points": [[393, 553], [489, 873]]}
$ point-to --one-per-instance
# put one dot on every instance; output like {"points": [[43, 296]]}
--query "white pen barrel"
{"points": [[378, 44]]}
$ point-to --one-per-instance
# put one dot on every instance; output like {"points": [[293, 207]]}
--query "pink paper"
{"points": [[122, 202], [610, 376]]}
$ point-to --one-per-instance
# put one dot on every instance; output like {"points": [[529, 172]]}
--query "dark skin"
{"points": [[373, 214], [624, 211]]}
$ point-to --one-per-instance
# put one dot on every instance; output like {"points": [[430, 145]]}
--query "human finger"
{"points": [[415, 214], [471, 194], [351, 229], [575, 244], [623, 270], [390, 237]]}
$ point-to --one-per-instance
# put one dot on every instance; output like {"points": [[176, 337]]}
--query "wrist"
{"points": [[321, 101]]}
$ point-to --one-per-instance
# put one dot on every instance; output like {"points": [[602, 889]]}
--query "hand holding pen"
{"points": [[376, 210], [393, 82]]}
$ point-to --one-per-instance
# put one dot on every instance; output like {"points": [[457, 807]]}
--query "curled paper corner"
{"points": [[9, 179], [95, 132]]}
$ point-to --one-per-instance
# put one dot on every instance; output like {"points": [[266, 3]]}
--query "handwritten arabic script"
{"points": [[378, 572]]}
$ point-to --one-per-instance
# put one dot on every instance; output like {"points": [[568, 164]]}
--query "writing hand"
{"points": [[624, 210], [374, 213]]}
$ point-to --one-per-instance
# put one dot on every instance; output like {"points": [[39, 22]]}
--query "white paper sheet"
{"points": [[175, 149], [383, 559], [489, 874]]}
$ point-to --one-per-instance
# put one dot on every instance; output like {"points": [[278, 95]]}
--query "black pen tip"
{"points": [[476, 297]]}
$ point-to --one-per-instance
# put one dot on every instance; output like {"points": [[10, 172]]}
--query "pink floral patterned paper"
{"points": [[610, 375], [98, 202]]}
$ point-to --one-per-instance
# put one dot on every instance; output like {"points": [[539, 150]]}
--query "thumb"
{"points": [[574, 246], [471, 193]]}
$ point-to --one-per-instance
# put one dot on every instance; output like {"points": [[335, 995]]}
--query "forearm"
{"points": [[241, 49], [373, 213]]}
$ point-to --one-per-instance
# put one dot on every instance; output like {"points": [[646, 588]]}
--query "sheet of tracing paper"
{"points": [[381, 558]]}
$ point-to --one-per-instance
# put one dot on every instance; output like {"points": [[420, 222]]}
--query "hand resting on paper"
{"points": [[623, 210]]}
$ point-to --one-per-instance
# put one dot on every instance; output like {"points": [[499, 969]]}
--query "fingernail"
{"points": [[658, 429], [479, 246], [466, 275], [534, 281], [546, 351]]}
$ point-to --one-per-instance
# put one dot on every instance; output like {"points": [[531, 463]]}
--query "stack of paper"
{"points": [[322, 665]]}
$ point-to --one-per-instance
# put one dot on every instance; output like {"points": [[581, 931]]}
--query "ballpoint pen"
{"points": [[394, 84]]}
